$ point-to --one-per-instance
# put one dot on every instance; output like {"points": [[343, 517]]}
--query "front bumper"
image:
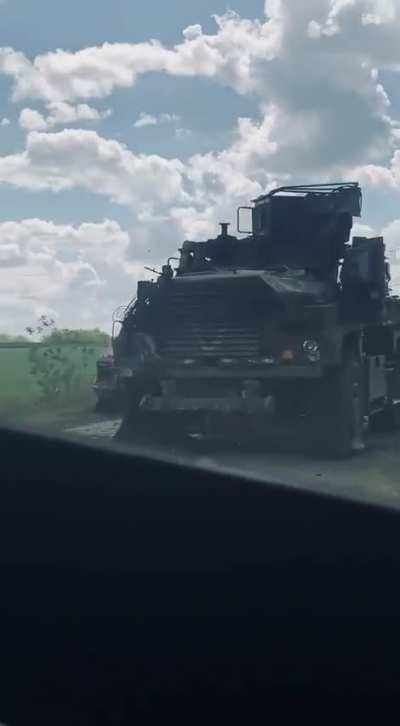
{"points": [[224, 405], [282, 372], [165, 371], [253, 390]]}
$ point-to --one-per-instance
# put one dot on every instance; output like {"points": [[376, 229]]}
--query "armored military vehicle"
{"points": [[109, 388], [106, 386], [292, 326]]}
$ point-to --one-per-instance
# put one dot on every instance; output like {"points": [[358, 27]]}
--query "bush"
{"points": [[76, 337], [60, 371]]}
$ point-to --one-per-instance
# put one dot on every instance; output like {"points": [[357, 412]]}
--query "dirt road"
{"points": [[373, 476]]}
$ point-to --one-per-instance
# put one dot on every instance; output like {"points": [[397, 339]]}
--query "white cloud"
{"points": [[60, 113], [5, 122], [315, 67], [192, 32], [375, 175], [96, 72], [10, 255], [235, 54], [304, 61], [76, 158], [148, 119], [363, 230], [183, 133], [169, 118], [65, 269], [89, 242], [145, 119], [31, 120], [193, 193], [64, 113]]}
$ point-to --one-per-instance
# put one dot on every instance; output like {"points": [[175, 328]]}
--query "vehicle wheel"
{"points": [[104, 405], [342, 421], [138, 427], [386, 421], [134, 429]]}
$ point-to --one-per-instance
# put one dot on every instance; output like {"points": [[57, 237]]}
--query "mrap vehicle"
{"points": [[292, 327]]}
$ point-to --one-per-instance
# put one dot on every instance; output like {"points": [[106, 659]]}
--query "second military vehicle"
{"points": [[293, 325]]}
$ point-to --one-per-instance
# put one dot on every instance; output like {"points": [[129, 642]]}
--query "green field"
{"points": [[20, 396]]}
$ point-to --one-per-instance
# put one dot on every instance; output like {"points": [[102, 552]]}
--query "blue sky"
{"points": [[39, 26], [42, 25], [111, 155]]}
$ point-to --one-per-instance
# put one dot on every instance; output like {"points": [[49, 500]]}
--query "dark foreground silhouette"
{"points": [[137, 588]]}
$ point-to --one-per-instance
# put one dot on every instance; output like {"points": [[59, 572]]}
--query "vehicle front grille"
{"points": [[209, 323]]}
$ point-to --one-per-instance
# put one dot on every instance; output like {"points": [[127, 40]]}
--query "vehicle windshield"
{"points": [[199, 222]]}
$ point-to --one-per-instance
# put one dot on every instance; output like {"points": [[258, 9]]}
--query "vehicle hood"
{"points": [[290, 286]]}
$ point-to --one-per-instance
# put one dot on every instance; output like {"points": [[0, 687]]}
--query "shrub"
{"points": [[60, 371]]}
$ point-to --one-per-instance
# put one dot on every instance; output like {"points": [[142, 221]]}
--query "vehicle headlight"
{"points": [[312, 350]]}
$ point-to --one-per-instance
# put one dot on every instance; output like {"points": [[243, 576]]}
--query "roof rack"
{"points": [[315, 189], [343, 196]]}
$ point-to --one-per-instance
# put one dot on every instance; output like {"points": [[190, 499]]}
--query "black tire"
{"points": [[149, 430], [340, 427], [385, 421], [102, 405], [134, 429], [108, 405]]}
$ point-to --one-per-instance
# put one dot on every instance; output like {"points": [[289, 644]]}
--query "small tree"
{"points": [[58, 374], [76, 337]]}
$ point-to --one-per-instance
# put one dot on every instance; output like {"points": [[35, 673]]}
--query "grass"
{"points": [[21, 401]]}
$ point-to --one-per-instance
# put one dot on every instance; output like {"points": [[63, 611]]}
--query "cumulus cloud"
{"points": [[304, 61], [148, 119], [60, 113], [379, 176], [65, 269], [32, 120], [39, 239], [96, 72], [5, 122], [65, 113], [323, 109], [315, 68], [145, 119], [10, 255], [182, 133], [83, 159], [367, 12], [195, 195]]}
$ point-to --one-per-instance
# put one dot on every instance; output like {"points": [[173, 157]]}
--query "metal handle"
{"points": [[242, 231]]}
